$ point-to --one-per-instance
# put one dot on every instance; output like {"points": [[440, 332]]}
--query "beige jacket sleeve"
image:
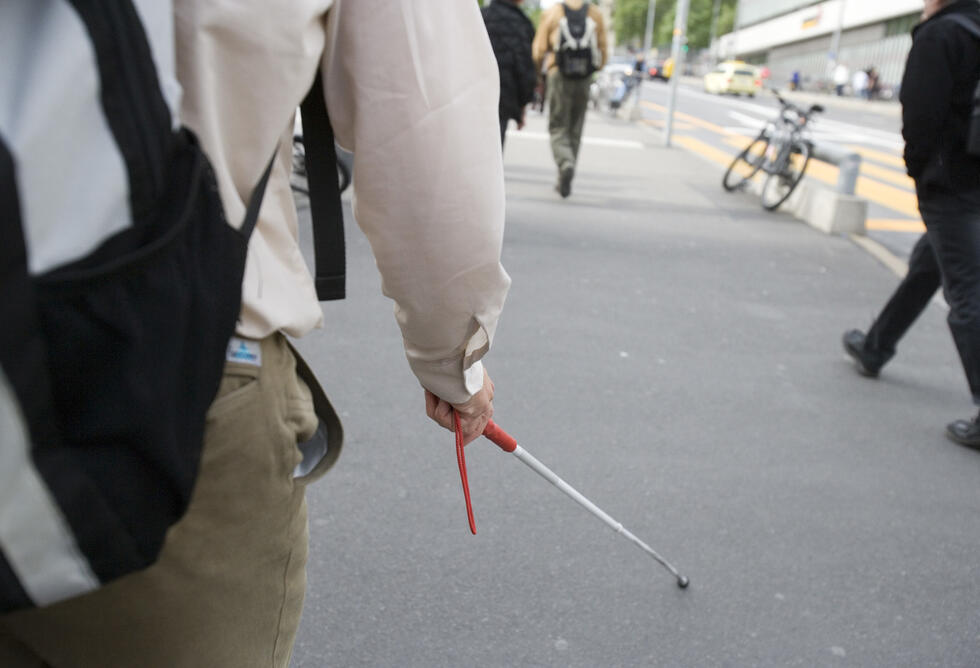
{"points": [[412, 88]]}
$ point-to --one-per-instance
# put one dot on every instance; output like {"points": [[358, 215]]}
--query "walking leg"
{"points": [[954, 233], [559, 121], [578, 103], [908, 301]]}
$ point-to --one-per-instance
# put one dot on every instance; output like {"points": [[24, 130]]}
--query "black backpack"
{"points": [[109, 358], [973, 132], [578, 52]]}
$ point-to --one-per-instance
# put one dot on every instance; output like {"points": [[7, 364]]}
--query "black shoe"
{"points": [[965, 432], [565, 181], [869, 362]]}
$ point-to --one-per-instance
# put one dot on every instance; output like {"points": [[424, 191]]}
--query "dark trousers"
{"points": [[953, 226], [909, 299], [504, 120]]}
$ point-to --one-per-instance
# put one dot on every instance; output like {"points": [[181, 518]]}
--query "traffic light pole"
{"points": [[648, 33], [680, 38]]}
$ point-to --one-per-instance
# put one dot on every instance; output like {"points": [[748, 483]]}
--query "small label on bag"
{"points": [[243, 351]]}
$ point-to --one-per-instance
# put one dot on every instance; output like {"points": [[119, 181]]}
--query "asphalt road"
{"points": [[673, 352], [717, 127]]}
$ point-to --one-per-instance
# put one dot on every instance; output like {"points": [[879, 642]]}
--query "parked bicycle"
{"points": [[781, 151]]}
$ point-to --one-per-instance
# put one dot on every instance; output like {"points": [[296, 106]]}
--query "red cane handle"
{"points": [[501, 438], [461, 460]]}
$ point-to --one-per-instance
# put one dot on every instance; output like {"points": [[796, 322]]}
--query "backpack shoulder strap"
{"points": [[255, 201], [325, 207]]}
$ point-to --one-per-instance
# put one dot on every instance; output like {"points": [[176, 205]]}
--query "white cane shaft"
{"points": [[553, 478]]}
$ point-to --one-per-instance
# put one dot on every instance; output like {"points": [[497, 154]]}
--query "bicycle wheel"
{"points": [[780, 185], [746, 164]]}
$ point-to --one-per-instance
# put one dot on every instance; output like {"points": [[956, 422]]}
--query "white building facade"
{"points": [[798, 35]]}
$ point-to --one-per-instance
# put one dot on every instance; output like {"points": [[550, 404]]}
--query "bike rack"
{"points": [[848, 162]]}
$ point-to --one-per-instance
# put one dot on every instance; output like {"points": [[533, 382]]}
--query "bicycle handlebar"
{"points": [[789, 106]]}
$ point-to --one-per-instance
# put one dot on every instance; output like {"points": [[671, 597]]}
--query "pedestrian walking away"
{"points": [[859, 83], [937, 92], [571, 44], [228, 588], [511, 34]]}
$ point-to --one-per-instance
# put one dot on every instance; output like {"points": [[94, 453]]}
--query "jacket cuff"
{"points": [[449, 381]]}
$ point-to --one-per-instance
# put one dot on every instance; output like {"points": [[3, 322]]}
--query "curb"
{"points": [[882, 254]]}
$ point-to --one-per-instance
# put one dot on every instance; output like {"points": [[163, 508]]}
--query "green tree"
{"points": [[629, 21]]}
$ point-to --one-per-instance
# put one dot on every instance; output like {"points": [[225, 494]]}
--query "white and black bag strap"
{"points": [[86, 127]]}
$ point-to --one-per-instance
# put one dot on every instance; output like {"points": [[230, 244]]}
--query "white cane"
{"points": [[507, 443]]}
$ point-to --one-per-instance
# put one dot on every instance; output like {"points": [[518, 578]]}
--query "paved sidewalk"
{"points": [[674, 352]]}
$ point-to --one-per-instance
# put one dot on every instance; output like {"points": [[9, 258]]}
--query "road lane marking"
{"points": [[593, 141], [881, 173], [839, 129], [890, 159], [895, 225], [898, 178], [902, 201], [746, 120], [694, 120], [887, 196], [660, 123], [705, 150], [896, 199]]}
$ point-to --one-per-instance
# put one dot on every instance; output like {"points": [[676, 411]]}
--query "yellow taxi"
{"points": [[734, 77]]}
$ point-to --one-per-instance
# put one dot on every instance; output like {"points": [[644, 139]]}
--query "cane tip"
{"points": [[682, 582]]}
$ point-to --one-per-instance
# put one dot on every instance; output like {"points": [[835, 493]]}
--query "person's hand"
{"points": [[473, 415]]}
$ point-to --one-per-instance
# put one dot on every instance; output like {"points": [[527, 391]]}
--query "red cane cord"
{"points": [[461, 460]]}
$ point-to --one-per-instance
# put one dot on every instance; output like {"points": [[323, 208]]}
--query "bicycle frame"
{"points": [[783, 133]]}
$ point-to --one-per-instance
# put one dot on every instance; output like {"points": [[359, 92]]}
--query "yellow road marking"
{"points": [[659, 123], [887, 196], [694, 120], [895, 225], [870, 170], [898, 178], [896, 199], [704, 149], [740, 142], [890, 159]]}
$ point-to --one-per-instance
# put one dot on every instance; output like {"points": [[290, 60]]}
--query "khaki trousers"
{"points": [[228, 588], [568, 100]]}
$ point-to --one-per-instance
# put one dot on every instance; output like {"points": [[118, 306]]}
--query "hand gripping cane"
{"points": [[507, 443]]}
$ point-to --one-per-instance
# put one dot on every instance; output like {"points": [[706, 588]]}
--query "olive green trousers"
{"points": [[568, 100]]}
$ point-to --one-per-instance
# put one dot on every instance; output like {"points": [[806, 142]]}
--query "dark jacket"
{"points": [[511, 34], [937, 97]]}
